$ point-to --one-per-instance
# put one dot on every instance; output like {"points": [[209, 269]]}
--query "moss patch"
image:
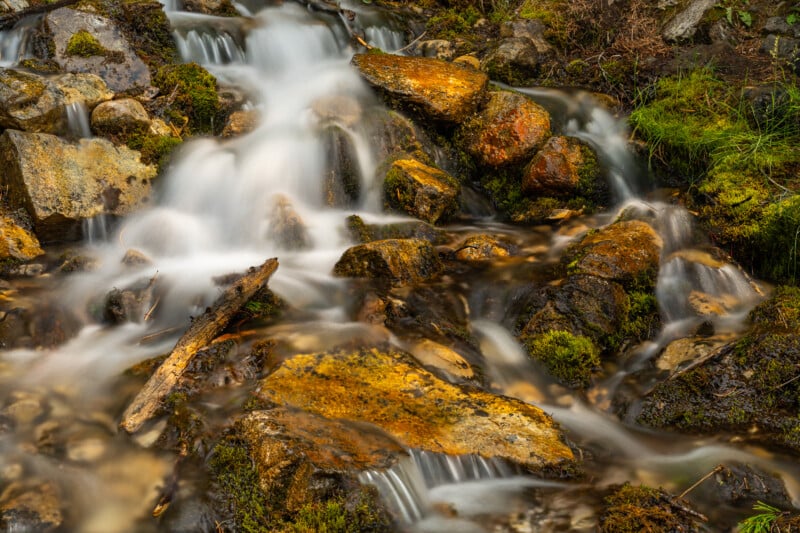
{"points": [[84, 44], [195, 95], [633, 509], [569, 358], [155, 149]]}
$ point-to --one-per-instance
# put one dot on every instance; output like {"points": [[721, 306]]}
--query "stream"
{"points": [[215, 208]]}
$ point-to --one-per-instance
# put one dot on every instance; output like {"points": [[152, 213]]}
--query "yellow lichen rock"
{"points": [[433, 87], [390, 390], [395, 261], [16, 242], [420, 190]]}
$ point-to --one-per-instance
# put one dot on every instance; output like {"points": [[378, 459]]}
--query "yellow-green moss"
{"points": [[195, 94], [569, 358], [155, 149], [634, 509], [84, 44]]}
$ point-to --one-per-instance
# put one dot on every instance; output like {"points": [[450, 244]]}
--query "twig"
{"points": [[412, 43], [716, 469], [157, 334], [149, 312]]}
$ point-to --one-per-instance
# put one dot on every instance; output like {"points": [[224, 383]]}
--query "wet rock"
{"points": [[24, 408], [240, 123], [111, 56], [682, 352], [52, 325], [60, 184], [434, 88], [222, 8], [439, 356], [563, 167], [286, 228], [362, 232], [483, 247], [342, 186], [16, 242], [422, 191], [780, 46], [435, 48], [683, 26], [627, 252], [747, 388], [134, 258], [509, 130], [396, 135], [519, 53], [395, 261], [337, 109], [130, 304], [389, 390], [742, 485], [30, 508], [643, 508], [120, 117], [35, 103], [12, 5]]}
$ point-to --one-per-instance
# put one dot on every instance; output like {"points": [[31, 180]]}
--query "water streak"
{"points": [[78, 120]]}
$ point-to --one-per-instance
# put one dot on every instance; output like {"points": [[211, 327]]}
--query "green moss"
{"points": [[155, 149], [337, 516], [47, 66], [235, 476], [568, 357], [453, 23], [193, 93], [552, 13], [84, 44]]}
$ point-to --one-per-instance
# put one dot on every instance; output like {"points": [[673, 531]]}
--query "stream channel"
{"points": [[212, 218]]}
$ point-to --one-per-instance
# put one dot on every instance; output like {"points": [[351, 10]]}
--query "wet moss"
{"points": [[195, 95], [338, 516], [155, 149], [453, 23], [634, 509], [569, 358]]}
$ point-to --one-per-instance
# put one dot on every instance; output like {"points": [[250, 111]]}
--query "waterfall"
{"points": [[78, 120]]}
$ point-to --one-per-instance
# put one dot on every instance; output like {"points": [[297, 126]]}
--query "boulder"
{"points": [[362, 232], [338, 109], [390, 390], [683, 26], [88, 42], [35, 103], [434, 88], [420, 190], [241, 122], [120, 117], [627, 252], [396, 261], [519, 53], [564, 166], [17, 242], [60, 184], [395, 136], [25, 507], [509, 130], [482, 247]]}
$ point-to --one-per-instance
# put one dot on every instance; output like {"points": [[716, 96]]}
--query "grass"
{"points": [[761, 522]]}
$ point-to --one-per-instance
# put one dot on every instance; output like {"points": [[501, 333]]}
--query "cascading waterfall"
{"points": [[78, 120]]}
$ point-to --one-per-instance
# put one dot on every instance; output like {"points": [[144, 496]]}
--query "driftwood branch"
{"points": [[9, 19], [202, 331]]}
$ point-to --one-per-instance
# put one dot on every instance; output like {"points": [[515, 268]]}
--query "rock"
{"points": [[509, 130], [127, 305], [683, 26], [396, 261], [437, 355], [363, 233], [240, 123], [87, 450], [468, 61], [627, 252], [31, 508], [135, 258], [343, 110], [7, 6], [342, 186], [482, 247], [681, 352], [16, 242], [565, 166], [432, 87], [60, 184], [82, 87], [120, 117], [286, 228], [643, 508], [397, 136], [389, 390], [780, 46], [422, 191], [112, 57], [520, 51], [53, 324], [313, 457], [222, 8], [24, 409], [435, 48]]}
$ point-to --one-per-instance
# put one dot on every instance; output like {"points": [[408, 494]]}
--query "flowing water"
{"points": [[215, 215]]}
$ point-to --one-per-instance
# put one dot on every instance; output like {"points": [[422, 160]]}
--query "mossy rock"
{"points": [[195, 95], [425, 192], [84, 44], [393, 261], [632, 509], [362, 233]]}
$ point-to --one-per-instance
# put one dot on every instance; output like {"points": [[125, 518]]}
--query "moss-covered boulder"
{"points": [[60, 184], [361, 232], [564, 166], [190, 96], [516, 57], [431, 87], [16, 242], [748, 387], [35, 103], [90, 42], [509, 130], [388, 389], [394, 261], [627, 252], [120, 117], [425, 192]]}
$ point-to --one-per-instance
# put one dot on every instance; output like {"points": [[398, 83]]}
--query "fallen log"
{"points": [[201, 332]]}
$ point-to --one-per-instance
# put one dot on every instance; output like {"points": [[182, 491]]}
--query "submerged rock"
{"points": [[432, 87], [388, 389], [60, 184], [420, 190], [396, 261], [240, 123], [509, 130]]}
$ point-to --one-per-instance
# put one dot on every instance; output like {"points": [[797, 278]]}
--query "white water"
{"points": [[78, 120]]}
